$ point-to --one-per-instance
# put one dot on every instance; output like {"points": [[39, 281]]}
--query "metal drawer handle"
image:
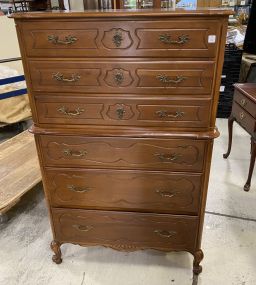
{"points": [[167, 79], [165, 234], [60, 77], [64, 110], [83, 228], [119, 77], [165, 114], [68, 40], [243, 102], [166, 39], [168, 157], [166, 194], [70, 152], [242, 115], [78, 189]]}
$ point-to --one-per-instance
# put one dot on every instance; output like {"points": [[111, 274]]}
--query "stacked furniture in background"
{"points": [[230, 76]]}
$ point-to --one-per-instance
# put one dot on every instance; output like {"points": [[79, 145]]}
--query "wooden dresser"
{"points": [[124, 108]]}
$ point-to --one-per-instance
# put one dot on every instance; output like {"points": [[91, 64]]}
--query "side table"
{"points": [[244, 113]]}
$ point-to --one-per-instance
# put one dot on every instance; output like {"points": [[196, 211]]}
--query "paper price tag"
{"points": [[222, 88], [211, 39]]}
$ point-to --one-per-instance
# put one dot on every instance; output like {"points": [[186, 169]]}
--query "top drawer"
{"points": [[177, 38]]}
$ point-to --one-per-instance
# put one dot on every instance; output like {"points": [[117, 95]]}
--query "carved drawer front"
{"points": [[124, 190], [180, 38], [122, 111], [123, 153], [245, 103], [244, 118], [153, 77], [125, 231]]}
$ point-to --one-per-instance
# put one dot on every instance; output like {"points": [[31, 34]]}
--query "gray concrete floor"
{"points": [[229, 238]]}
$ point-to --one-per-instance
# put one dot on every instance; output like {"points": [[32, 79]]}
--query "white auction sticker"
{"points": [[222, 88], [211, 39]]}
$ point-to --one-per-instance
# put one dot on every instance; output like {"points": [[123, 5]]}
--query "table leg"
{"points": [[61, 5], [231, 120], [49, 5], [252, 162]]}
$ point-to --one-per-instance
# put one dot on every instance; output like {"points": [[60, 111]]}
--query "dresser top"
{"points": [[125, 13], [248, 89]]}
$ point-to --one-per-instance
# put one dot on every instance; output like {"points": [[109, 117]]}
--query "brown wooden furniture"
{"points": [[124, 109], [244, 113]]}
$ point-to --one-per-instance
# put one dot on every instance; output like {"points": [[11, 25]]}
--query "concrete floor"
{"points": [[229, 239]]}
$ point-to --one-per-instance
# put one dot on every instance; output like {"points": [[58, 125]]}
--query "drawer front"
{"points": [[122, 77], [125, 231], [187, 38], [245, 103], [124, 190], [123, 153], [244, 118], [121, 111]]}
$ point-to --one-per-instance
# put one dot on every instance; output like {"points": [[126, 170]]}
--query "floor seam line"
{"points": [[230, 216]]}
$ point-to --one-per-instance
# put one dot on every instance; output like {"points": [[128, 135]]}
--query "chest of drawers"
{"points": [[244, 113], [124, 108]]}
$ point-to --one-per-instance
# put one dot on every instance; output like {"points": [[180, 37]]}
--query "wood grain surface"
{"points": [[19, 168]]}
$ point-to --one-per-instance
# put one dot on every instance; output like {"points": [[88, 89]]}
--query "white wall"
{"points": [[9, 46], [76, 5]]}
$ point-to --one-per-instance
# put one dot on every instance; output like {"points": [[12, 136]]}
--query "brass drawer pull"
{"points": [[167, 194], [165, 234], [243, 102], [165, 114], [70, 152], [60, 77], [168, 157], [242, 115], [83, 228], [119, 77], [78, 189], [64, 110], [167, 79], [68, 40], [166, 39]]}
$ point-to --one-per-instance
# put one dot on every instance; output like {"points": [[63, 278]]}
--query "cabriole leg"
{"points": [[198, 257], [253, 154], [55, 246], [230, 135]]}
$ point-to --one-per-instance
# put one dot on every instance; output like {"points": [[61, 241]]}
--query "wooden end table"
{"points": [[244, 113]]}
